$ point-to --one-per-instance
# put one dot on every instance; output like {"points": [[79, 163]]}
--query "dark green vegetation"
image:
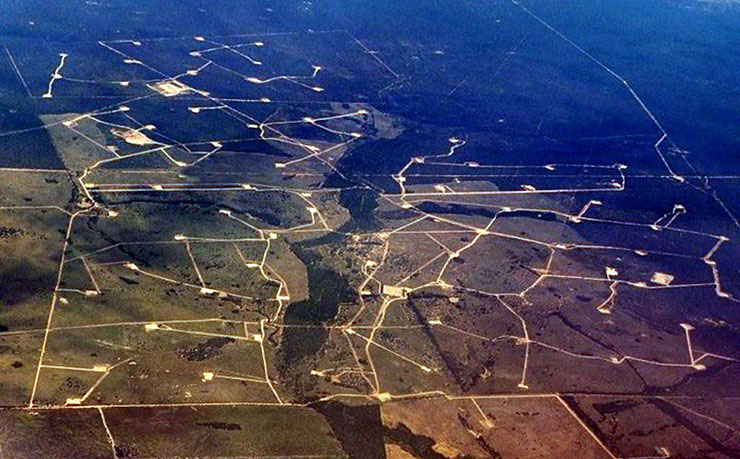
{"points": [[361, 204], [327, 289], [358, 428], [31, 146], [218, 374]]}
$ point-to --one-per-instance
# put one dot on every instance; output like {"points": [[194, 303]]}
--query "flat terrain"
{"points": [[324, 231]]}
